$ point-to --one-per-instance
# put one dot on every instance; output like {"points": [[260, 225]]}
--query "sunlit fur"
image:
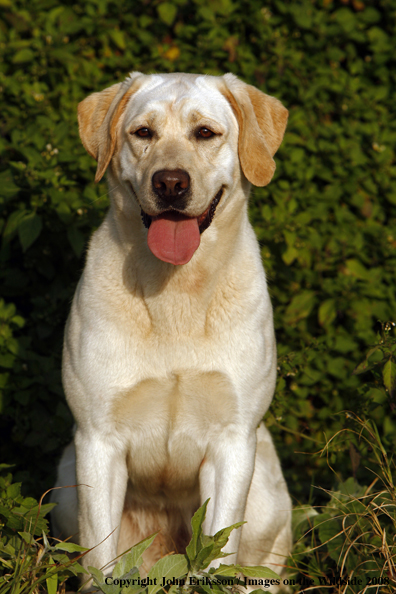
{"points": [[168, 370]]}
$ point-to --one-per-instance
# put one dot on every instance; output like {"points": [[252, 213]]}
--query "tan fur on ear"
{"points": [[262, 122], [98, 116]]}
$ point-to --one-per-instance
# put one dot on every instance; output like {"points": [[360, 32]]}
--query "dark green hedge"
{"points": [[326, 223]]}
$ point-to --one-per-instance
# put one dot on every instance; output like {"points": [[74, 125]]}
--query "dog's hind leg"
{"points": [[64, 517]]}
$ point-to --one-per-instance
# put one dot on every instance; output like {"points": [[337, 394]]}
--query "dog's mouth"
{"points": [[174, 237]]}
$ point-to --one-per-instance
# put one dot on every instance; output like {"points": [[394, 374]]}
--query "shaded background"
{"points": [[326, 223]]}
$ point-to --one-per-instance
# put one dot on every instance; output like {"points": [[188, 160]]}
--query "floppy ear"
{"points": [[98, 116], [262, 122]]}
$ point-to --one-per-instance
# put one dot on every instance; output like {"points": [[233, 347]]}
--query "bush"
{"points": [[351, 541], [29, 562], [325, 223]]}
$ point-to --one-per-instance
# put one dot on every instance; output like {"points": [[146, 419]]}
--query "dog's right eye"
{"points": [[205, 133], [143, 133]]}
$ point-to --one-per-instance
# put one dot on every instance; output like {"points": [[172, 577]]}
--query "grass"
{"points": [[348, 545]]}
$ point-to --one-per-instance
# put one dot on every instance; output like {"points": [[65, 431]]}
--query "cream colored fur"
{"points": [[168, 370]]}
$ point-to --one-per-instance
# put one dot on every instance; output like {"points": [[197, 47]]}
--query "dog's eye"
{"points": [[143, 133], [205, 133]]}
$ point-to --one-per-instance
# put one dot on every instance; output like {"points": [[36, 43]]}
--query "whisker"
{"points": [[103, 195]]}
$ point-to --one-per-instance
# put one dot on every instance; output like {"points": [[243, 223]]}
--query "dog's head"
{"points": [[180, 144]]}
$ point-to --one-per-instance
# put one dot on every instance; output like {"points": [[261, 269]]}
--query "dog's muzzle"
{"points": [[204, 220], [174, 237]]}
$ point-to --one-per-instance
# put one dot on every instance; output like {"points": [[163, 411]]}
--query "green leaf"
{"points": [[327, 312], [389, 376], [223, 7], [227, 570], [206, 13], [173, 566], [24, 55], [13, 223], [301, 517], [167, 12], [7, 360], [205, 556], [70, 547], [196, 524], [301, 15], [52, 581], [355, 268], [290, 255], [221, 537], [133, 558], [346, 19], [370, 15], [366, 365], [29, 229], [97, 575], [118, 37], [76, 239], [258, 572], [14, 490], [300, 306], [27, 537], [8, 188], [213, 546]]}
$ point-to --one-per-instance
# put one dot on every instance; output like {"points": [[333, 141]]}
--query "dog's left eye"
{"points": [[205, 133], [143, 133]]}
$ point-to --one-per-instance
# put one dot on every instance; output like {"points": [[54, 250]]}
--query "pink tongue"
{"points": [[173, 238]]}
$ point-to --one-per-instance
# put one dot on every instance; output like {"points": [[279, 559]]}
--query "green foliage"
{"points": [[29, 563], [351, 541], [325, 223], [176, 573]]}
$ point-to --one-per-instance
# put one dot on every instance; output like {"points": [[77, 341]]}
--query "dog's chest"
{"points": [[167, 423]]}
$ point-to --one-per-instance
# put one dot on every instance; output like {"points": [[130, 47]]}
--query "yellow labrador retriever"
{"points": [[169, 358]]}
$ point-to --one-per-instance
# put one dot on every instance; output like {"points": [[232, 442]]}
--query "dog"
{"points": [[169, 360]]}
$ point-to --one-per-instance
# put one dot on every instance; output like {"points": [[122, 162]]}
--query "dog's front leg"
{"points": [[102, 480], [225, 477]]}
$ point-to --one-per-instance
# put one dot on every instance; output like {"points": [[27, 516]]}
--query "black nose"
{"points": [[171, 185]]}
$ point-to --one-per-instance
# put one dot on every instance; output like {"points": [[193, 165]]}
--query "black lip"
{"points": [[205, 223]]}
